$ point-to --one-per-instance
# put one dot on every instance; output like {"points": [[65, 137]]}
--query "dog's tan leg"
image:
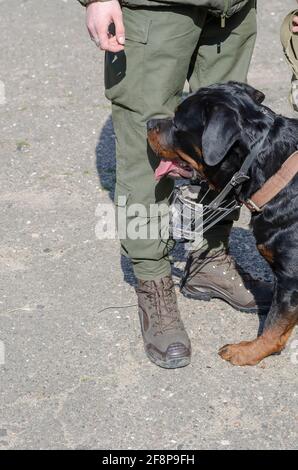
{"points": [[280, 322], [249, 353]]}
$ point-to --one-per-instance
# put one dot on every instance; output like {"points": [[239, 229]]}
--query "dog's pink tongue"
{"points": [[163, 169]]}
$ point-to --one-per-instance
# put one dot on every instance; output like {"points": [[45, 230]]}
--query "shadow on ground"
{"points": [[106, 158]]}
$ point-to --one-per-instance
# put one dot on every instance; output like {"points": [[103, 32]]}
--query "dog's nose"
{"points": [[152, 124]]}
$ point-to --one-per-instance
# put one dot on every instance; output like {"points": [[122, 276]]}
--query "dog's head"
{"points": [[209, 125]]}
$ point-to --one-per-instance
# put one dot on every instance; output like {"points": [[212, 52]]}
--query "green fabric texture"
{"points": [[225, 8], [164, 48]]}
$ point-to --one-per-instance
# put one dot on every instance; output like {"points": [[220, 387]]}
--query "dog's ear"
{"points": [[257, 95], [221, 131]]}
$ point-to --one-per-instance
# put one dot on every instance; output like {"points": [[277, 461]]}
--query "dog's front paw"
{"points": [[242, 354]]}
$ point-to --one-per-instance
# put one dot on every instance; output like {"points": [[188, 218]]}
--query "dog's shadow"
{"points": [[243, 248], [242, 242]]}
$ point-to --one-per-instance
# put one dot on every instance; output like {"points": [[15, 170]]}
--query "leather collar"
{"points": [[274, 185]]}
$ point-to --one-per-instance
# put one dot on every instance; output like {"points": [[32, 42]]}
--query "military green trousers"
{"points": [[164, 48]]}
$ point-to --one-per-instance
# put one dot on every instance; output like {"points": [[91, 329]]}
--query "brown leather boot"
{"points": [[166, 341], [216, 275]]}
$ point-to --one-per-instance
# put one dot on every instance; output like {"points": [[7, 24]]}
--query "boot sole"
{"points": [[207, 296], [176, 363]]}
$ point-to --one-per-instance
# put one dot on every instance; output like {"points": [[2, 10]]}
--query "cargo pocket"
{"points": [[123, 70], [157, 221], [148, 222], [122, 194], [139, 220], [122, 200]]}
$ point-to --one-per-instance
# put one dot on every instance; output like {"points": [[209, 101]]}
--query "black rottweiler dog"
{"points": [[213, 131]]}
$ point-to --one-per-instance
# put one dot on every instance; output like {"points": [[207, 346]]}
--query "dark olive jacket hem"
{"points": [[224, 8]]}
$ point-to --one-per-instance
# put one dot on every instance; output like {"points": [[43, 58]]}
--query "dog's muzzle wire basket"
{"points": [[191, 214]]}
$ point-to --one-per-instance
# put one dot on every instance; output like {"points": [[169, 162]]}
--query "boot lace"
{"points": [[164, 314]]}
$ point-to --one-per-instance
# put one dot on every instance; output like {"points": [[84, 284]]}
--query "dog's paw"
{"points": [[241, 354]]}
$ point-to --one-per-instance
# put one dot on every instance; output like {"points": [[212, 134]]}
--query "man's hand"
{"points": [[99, 16]]}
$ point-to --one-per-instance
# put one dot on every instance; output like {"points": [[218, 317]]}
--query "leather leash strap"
{"points": [[274, 185]]}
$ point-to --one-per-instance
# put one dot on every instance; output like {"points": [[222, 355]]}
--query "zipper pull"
{"points": [[223, 20]]}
